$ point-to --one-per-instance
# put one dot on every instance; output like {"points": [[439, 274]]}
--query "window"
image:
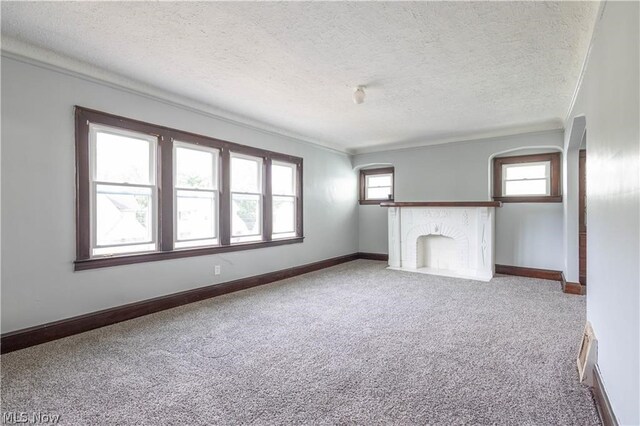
{"points": [[376, 185], [123, 191], [527, 178], [147, 192], [283, 187], [196, 195], [246, 198]]}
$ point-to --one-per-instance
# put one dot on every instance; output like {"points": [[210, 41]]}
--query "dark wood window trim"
{"points": [[166, 136], [555, 183], [363, 182]]}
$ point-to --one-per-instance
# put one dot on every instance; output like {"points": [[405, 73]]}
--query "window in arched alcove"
{"points": [[527, 178]]}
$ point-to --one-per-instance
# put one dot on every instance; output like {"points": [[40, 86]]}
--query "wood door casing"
{"points": [[582, 217]]}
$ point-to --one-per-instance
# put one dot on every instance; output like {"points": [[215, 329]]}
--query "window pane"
{"points": [[378, 193], [194, 169], [123, 215], [245, 215], [379, 180], [282, 178], [196, 215], [284, 212], [526, 187], [526, 171], [122, 159], [245, 174]]}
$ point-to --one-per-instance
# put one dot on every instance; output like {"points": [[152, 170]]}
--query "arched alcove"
{"points": [[512, 152]]}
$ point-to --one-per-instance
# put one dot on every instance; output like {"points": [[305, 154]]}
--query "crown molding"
{"points": [[583, 70], [27, 53], [547, 127]]}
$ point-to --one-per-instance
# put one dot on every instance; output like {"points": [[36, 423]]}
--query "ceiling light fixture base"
{"points": [[358, 94]]}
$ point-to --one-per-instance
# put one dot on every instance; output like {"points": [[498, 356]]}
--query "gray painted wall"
{"points": [[38, 199], [608, 102], [527, 234]]}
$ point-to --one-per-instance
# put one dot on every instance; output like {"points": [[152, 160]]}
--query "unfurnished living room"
{"points": [[319, 213]]}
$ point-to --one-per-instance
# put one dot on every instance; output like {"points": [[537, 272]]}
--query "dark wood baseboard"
{"points": [[373, 256], [39, 334], [573, 288], [545, 274], [36, 335], [602, 400]]}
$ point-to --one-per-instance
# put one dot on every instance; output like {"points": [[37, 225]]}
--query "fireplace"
{"points": [[436, 252], [443, 238]]}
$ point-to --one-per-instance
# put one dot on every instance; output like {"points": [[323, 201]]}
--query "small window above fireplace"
{"points": [[376, 185]]}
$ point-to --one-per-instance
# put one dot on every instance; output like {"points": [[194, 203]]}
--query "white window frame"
{"points": [[193, 242], [94, 129], [293, 196], [547, 178], [236, 239], [367, 186]]}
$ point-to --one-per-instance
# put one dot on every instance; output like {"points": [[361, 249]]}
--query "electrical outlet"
{"points": [[217, 270]]}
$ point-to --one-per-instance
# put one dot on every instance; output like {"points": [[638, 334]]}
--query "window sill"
{"points": [[545, 199], [105, 262], [374, 202]]}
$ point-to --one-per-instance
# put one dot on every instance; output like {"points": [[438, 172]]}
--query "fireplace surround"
{"points": [[455, 239]]}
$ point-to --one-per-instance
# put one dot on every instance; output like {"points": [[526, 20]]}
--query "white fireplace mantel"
{"points": [[453, 239]]}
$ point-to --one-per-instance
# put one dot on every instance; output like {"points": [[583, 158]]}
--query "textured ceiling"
{"points": [[434, 71]]}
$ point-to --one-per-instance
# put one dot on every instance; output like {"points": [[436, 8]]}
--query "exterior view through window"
{"points": [[526, 179], [124, 191], [283, 185], [246, 198], [196, 195]]}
